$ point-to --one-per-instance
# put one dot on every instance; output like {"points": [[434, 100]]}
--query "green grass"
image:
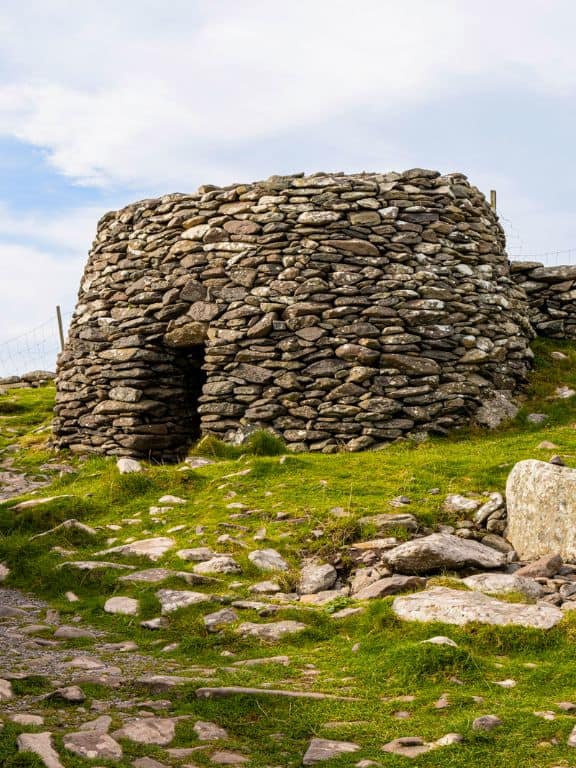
{"points": [[372, 657]]}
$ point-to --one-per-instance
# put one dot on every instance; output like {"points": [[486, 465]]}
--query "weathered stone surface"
{"points": [[222, 298], [153, 549], [40, 744], [541, 502], [127, 606], [209, 731], [439, 551], [220, 619], [390, 585], [173, 599], [128, 466], [219, 564], [503, 584], [93, 745], [326, 749], [148, 730], [388, 521], [316, 578], [547, 567], [268, 560], [454, 606], [273, 631]]}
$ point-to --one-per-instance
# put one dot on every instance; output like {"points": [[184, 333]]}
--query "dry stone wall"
{"points": [[551, 293], [339, 311]]}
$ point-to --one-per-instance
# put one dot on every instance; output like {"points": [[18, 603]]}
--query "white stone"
{"points": [[92, 745], [40, 744], [153, 549], [457, 503], [173, 599], [272, 631], [268, 560], [219, 564], [148, 730], [455, 606], [171, 500], [440, 640], [439, 551], [126, 606], [504, 584], [128, 466], [541, 500], [327, 749], [5, 690], [316, 578]]}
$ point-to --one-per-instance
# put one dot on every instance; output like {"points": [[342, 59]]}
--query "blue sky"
{"points": [[103, 103]]}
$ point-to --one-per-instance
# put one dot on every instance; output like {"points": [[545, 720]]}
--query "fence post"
{"points": [[493, 200], [60, 327]]}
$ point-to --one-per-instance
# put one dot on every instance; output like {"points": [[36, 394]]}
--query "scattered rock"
{"points": [[173, 599], [209, 731], [440, 640], [148, 730], [486, 723], [441, 551], [153, 549], [270, 632], [327, 749], [268, 560], [503, 584], [92, 745], [219, 564], [216, 621], [40, 744], [126, 606], [128, 466], [390, 585], [545, 567], [390, 521], [456, 503], [541, 500], [316, 578], [454, 606]]}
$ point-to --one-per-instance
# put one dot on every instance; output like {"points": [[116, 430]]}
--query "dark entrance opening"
{"points": [[190, 378]]}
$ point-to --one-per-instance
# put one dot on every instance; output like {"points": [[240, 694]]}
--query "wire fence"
{"points": [[36, 349]]}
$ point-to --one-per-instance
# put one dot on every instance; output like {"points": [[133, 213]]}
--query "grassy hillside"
{"points": [[370, 657]]}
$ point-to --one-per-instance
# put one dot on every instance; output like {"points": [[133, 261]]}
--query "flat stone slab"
{"points": [[272, 631], [442, 550], [148, 730], [126, 606], [157, 575], [219, 564], [95, 565], [268, 560], [541, 502], [455, 606], [388, 521], [92, 745], [503, 584], [153, 549], [390, 585], [327, 749], [173, 599], [40, 744]]}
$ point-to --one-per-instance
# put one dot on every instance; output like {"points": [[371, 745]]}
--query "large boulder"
{"points": [[440, 551], [456, 606], [541, 500]]}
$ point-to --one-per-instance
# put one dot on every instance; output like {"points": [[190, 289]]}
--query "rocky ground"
{"points": [[284, 611]]}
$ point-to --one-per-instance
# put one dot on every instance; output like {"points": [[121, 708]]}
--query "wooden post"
{"points": [[493, 200], [60, 327]]}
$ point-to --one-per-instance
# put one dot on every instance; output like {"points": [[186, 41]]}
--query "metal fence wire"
{"points": [[36, 349]]}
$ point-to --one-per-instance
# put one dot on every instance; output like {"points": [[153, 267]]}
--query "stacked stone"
{"points": [[551, 294], [339, 311]]}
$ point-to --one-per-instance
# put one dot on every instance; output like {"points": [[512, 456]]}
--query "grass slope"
{"points": [[372, 656]]}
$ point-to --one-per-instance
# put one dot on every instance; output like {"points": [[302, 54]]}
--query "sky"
{"points": [[104, 102]]}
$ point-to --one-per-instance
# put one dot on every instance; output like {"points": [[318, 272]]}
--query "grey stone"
{"points": [[439, 551], [40, 744], [454, 606], [327, 749], [148, 730], [93, 745], [268, 560], [316, 578], [270, 632], [541, 501]]}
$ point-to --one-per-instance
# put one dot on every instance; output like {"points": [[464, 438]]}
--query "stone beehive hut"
{"points": [[339, 311]]}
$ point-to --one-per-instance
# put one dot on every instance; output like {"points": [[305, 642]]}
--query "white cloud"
{"points": [[134, 94]]}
